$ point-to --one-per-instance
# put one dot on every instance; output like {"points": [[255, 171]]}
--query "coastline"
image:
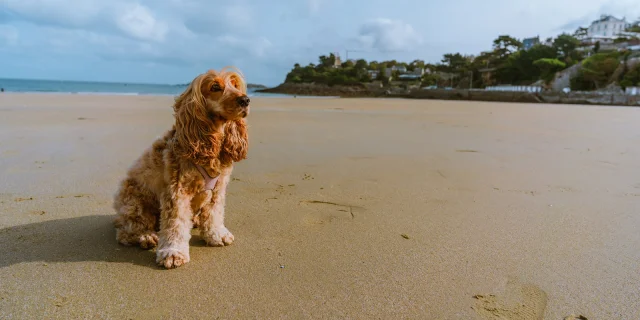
{"points": [[324, 92], [583, 98]]}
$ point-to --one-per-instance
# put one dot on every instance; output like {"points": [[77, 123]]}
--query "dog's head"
{"points": [[220, 95], [210, 118]]}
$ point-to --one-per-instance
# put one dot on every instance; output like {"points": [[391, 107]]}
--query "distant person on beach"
{"points": [[1, 89]]}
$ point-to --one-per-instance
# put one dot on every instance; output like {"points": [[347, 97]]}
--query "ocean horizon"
{"points": [[103, 88]]}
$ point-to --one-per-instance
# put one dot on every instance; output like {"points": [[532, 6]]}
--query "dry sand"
{"points": [[346, 208]]}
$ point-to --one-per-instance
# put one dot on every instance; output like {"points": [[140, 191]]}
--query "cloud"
{"points": [[174, 32], [137, 21], [115, 16], [388, 35]]}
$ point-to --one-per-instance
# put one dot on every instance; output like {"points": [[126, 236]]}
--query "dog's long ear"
{"points": [[193, 130], [236, 141], [192, 96]]}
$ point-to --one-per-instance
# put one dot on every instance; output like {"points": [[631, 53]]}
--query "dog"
{"points": [[180, 181]]}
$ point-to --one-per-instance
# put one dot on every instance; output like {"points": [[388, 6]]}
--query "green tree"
{"points": [[581, 32], [634, 26], [361, 64], [549, 67], [505, 45], [632, 77], [599, 68], [596, 47], [348, 64], [520, 68], [431, 79], [565, 45], [484, 60], [373, 65], [454, 62]]}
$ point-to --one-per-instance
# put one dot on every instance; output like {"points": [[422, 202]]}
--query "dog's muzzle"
{"points": [[243, 101]]}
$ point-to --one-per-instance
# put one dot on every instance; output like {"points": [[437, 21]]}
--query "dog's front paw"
{"points": [[148, 241], [171, 258], [219, 237]]}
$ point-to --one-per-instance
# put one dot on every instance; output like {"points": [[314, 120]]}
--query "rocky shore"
{"points": [[310, 89], [362, 90]]}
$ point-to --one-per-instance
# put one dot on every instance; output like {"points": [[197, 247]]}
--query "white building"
{"points": [[607, 27]]}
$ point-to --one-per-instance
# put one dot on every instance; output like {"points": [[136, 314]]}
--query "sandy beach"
{"points": [[344, 209]]}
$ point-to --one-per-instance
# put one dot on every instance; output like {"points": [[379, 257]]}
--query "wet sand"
{"points": [[345, 208]]}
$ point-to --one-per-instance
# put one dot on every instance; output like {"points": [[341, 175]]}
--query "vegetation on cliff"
{"points": [[507, 63], [631, 77], [596, 71]]}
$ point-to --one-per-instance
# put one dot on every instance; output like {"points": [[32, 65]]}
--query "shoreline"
{"points": [[551, 98], [362, 91]]}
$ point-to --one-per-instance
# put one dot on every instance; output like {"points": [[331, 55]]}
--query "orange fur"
{"points": [[162, 195]]}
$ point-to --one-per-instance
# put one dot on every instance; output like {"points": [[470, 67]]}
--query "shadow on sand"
{"points": [[89, 238]]}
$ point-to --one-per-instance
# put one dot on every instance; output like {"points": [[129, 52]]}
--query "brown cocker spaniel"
{"points": [[181, 180]]}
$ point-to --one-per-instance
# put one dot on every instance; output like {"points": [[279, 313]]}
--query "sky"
{"points": [[172, 41]]}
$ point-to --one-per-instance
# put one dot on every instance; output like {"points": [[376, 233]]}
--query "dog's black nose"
{"points": [[243, 101]]}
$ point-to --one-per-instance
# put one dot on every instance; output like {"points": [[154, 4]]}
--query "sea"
{"points": [[107, 88]]}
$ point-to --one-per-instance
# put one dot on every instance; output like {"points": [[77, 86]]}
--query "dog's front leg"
{"points": [[212, 228], [175, 230]]}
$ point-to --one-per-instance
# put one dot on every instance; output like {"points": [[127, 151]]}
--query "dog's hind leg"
{"points": [[137, 215]]}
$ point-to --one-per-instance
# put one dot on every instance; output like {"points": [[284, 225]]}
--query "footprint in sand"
{"points": [[518, 301], [346, 212]]}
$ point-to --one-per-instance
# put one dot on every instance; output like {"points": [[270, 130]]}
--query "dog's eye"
{"points": [[216, 87]]}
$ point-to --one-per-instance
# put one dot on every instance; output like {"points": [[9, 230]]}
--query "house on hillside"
{"points": [[401, 69], [388, 72], [417, 72], [528, 43], [607, 26], [338, 62]]}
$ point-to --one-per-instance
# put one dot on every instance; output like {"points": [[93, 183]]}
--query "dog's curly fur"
{"points": [[162, 196]]}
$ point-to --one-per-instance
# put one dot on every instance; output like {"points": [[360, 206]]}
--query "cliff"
{"points": [[311, 89], [255, 86]]}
